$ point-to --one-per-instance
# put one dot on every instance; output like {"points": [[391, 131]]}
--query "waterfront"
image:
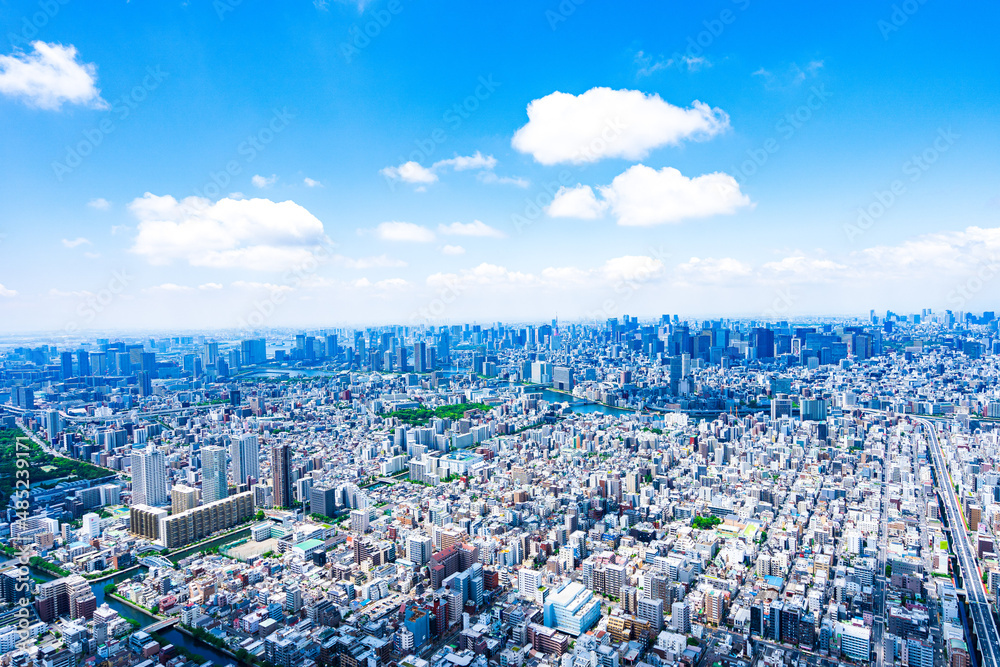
{"points": [[172, 635], [580, 405]]}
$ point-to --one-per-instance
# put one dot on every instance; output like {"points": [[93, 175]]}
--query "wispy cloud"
{"points": [[647, 65], [403, 231], [264, 181], [788, 77], [474, 228], [416, 174]]}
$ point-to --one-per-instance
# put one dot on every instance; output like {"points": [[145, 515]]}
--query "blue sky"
{"points": [[374, 175]]}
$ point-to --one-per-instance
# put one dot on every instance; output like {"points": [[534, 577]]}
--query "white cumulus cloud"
{"points": [[50, 76], [247, 233], [606, 123], [642, 196], [410, 172], [632, 268], [7, 292], [579, 202]]}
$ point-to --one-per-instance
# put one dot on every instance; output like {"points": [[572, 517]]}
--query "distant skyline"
{"points": [[235, 165]]}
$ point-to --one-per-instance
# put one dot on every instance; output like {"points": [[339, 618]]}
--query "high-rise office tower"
{"points": [[83, 361], [281, 473], [211, 353], [244, 450], [149, 476], [145, 383], [213, 474], [419, 357], [253, 351], [99, 363], [66, 364], [53, 423], [147, 362]]}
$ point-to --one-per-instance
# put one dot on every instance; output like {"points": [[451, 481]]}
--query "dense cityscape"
{"points": [[548, 333], [627, 493]]}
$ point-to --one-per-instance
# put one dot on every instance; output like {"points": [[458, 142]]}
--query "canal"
{"points": [[171, 635]]}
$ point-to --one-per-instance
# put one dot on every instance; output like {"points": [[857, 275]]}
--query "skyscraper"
{"points": [[253, 351], [419, 357], [244, 450], [52, 424], [149, 476], [211, 353], [213, 474], [281, 471], [83, 360], [145, 383], [66, 363]]}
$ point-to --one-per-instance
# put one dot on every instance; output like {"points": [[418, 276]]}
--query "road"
{"points": [[979, 607], [879, 582], [75, 419]]}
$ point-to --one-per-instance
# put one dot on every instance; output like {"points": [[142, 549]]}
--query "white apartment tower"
{"points": [[149, 476], [213, 474]]}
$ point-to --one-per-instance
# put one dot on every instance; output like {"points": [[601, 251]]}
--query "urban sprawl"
{"points": [[631, 493]]}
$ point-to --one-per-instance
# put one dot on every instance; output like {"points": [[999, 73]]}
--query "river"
{"points": [[579, 405], [171, 635]]}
